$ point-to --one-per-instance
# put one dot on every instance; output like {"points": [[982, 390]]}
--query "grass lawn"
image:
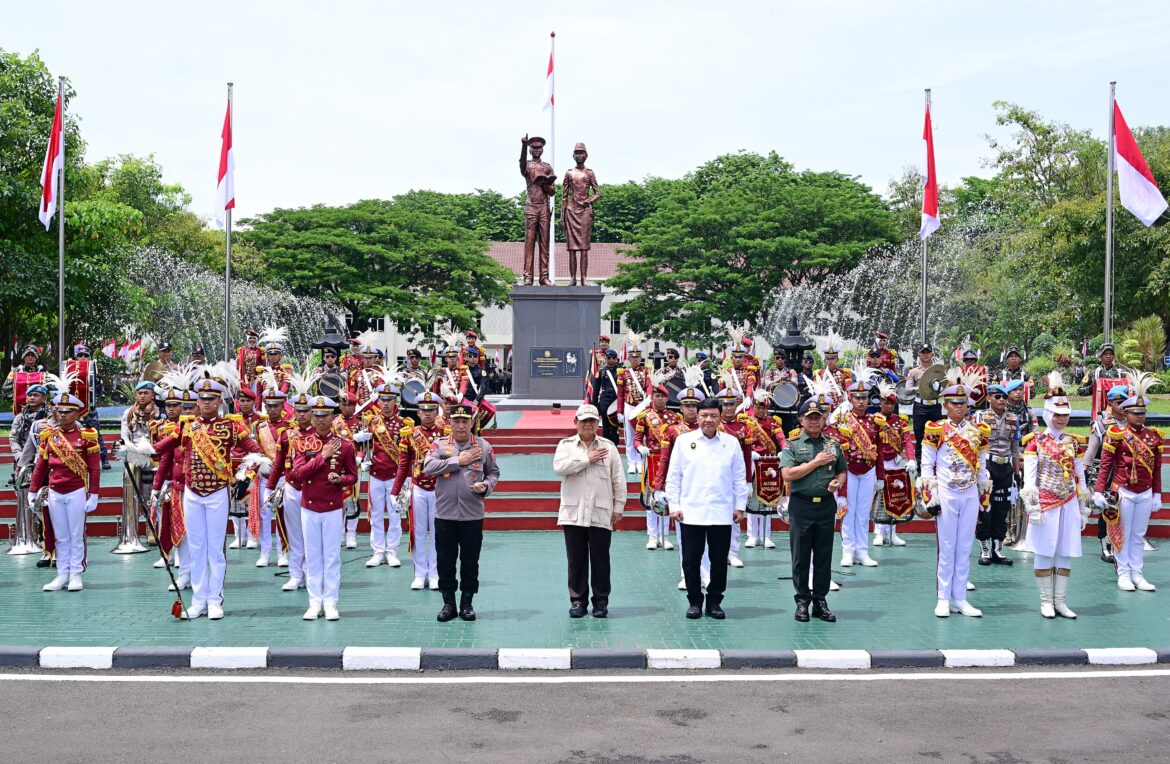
{"points": [[1159, 404]]}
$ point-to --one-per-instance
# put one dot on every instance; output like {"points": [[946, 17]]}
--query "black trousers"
{"points": [[992, 524], [609, 430], [588, 553], [716, 539], [810, 537], [458, 540], [921, 415], [1101, 532]]}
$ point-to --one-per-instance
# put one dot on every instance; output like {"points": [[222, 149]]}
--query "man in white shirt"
{"points": [[707, 490]]}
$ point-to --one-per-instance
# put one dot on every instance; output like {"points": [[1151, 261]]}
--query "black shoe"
{"points": [[1000, 560], [577, 611], [106, 466], [820, 609], [802, 612], [44, 562], [601, 611], [716, 612], [466, 611], [694, 611], [985, 559], [448, 611], [1107, 554]]}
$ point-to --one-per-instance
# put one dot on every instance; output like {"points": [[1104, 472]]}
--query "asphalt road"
{"points": [[999, 721]]}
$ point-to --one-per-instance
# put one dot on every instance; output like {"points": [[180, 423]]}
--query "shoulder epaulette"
{"points": [[984, 428], [406, 429], [407, 422], [234, 417], [90, 434], [844, 430], [1156, 431], [1027, 438], [446, 430], [934, 427], [879, 419], [1115, 432], [794, 433], [1083, 440], [905, 419], [45, 432]]}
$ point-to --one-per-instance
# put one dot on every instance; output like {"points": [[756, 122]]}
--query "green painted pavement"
{"points": [[524, 603]]}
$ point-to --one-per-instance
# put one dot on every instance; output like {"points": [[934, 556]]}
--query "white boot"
{"points": [[184, 582], [666, 543], [292, 585], [75, 584], [942, 609], [235, 543], [1044, 583], [768, 543], [652, 542], [834, 586], [376, 559], [868, 561], [331, 613], [313, 612], [351, 541], [966, 608], [1059, 592], [734, 561], [751, 541], [262, 562], [1125, 584], [633, 470], [847, 560], [1138, 580], [57, 584], [878, 538], [160, 563], [392, 560], [895, 539], [418, 583], [282, 561]]}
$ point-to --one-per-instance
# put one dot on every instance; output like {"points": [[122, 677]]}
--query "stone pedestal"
{"points": [[553, 330]]}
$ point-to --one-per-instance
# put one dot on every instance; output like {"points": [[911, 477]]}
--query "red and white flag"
{"points": [[225, 191], [110, 348], [54, 166], [1139, 191], [130, 350], [930, 222], [549, 100]]}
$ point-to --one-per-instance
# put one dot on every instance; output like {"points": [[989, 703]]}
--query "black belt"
{"points": [[824, 498]]}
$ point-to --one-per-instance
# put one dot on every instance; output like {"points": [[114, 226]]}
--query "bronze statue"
{"points": [[578, 193], [542, 183]]}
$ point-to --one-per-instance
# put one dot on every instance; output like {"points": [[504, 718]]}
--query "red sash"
{"points": [[1142, 454], [69, 456], [962, 446]]}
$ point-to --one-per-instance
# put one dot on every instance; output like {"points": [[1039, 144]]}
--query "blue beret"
{"points": [[611, 354], [701, 356], [998, 388], [1014, 384], [145, 385], [1116, 393], [37, 389]]}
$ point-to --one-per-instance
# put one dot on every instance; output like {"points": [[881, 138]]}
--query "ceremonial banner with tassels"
{"points": [[898, 494], [178, 525], [769, 485]]}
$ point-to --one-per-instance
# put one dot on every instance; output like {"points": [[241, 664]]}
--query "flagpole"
{"points": [[925, 260], [227, 271], [61, 237], [552, 152], [1109, 218]]}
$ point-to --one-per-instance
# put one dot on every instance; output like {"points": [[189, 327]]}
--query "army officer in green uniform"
{"points": [[814, 467]]}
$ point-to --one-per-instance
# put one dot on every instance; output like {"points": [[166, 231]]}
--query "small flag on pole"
{"points": [[1139, 191], [110, 348], [54, 165], [549, 100], [930, 222], [225, 191]]}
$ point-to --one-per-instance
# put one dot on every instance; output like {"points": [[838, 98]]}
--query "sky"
{"points": [[347, 100]]}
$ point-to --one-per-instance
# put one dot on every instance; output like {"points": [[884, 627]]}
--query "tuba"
{"points": [[24, 538], [128, 541], [403, 505]]}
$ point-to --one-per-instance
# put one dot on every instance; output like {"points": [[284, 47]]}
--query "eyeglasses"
{"points": [[997, 396]]}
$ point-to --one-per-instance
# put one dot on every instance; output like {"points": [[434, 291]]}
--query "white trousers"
{"points": [[656, 523], [1136, 509], [631, 452], [265, 523], [240, 529], [383, 539], [422, 512], [736, 532], [855, 525], [292, 530], [67, 511], [760, 526], [206, 520], [955, 526], [322, 533]]}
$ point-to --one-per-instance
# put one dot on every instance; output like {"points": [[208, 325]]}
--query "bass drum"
{"points": [[675, 385], [785, 395], [331, 385], [412, 391]]}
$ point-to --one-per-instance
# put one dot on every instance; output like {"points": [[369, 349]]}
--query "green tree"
{"points": [[489, 214], [378, 258], [718, 253]]}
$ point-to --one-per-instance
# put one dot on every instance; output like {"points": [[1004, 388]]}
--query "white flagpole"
{"points": [[227, 273], [552, 153], [1109, 219], [61, 237], [925, 260]]}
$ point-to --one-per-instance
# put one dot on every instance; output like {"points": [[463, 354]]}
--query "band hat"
{"points": [[329, 351], [274, 396], [660, 390], [603, 338], [209, 389], [324, 405], [274, 347], [690, 395], [881, 335], [387, 391], [80, 350], [428, 401], [350, 398], [251, 333], [957, 394], [586, 411], [249, 393], [301, 402], [727, 395], [462, 411], [634, 353], [66, 402]]}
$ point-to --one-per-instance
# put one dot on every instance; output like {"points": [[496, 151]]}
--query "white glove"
{"points": [[984, 486], [912, 466], [842, 502], [1099, 500], [643, 450], [660, 496], [621, 418], [279, 484], [1036, 517], [394, 499], [755, 456], [91, 502], [1013, 494], [362, 437], [1084, 517], [364, 466]]}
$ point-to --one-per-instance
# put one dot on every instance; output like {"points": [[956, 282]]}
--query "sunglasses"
{"points": [[997, 396]]}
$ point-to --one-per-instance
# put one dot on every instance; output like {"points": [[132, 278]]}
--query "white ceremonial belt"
{"points": [[1000, 459]]}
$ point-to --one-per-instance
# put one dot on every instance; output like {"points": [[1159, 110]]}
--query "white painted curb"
{"points": [[77, 657], [229, 657], [967, 658], [832, 659], [1121, 656], [683, 659], [381, 658], [534, 658]]}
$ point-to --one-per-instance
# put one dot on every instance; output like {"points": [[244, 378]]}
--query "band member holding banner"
{"points": [[814, 467], [465, 470], [412, 450], [767, 485], [633, 395], [139, 423], [1110, 416], [167, 488], [896, 452], [246, 401], [1003, 464], [33, 410], [1131, 471], [606, 395], [249, 357], [86, 387], [956, 482], [384, 427], [651, 429], [69, 467], [857, 432], [207, 444], [737, 426], [1056, 498], [326, 466]]}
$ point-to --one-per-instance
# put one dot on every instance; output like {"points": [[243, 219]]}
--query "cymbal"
{"points": [[932, 381]]}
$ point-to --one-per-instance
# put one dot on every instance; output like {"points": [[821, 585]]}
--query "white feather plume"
{"points": [[736, 334], [823, 385], [452, 338], [301, 382], [659, 376], [62, 383], [692, 375], [273, 334], [1140, 382], [634, 339], [866, 377], [259, 462], [1055, 382], [886, 389]]}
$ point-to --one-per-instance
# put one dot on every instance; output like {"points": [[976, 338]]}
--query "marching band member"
{"points": [[926, 405], [383, 431], [1056, 498], [633, 389], [363, 381], [770, 435], [412, 450], [325, 466], [1110, 416], [270, 433], [289, 510], [207, 442], [606, 392], [1003, 465], [69, 466], [29, 365], [842, 376], [34, 410], [272, 340], [955, 480], [348, 425], [857, 432], [896, 451], [977, 373], [246, 409], [888, 358], [167, 512], [650, 436], [1131, 459], [464, 468], [249, 358]]}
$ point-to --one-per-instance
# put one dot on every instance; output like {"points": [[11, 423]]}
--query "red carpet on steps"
{"points": [[546, 420]]}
